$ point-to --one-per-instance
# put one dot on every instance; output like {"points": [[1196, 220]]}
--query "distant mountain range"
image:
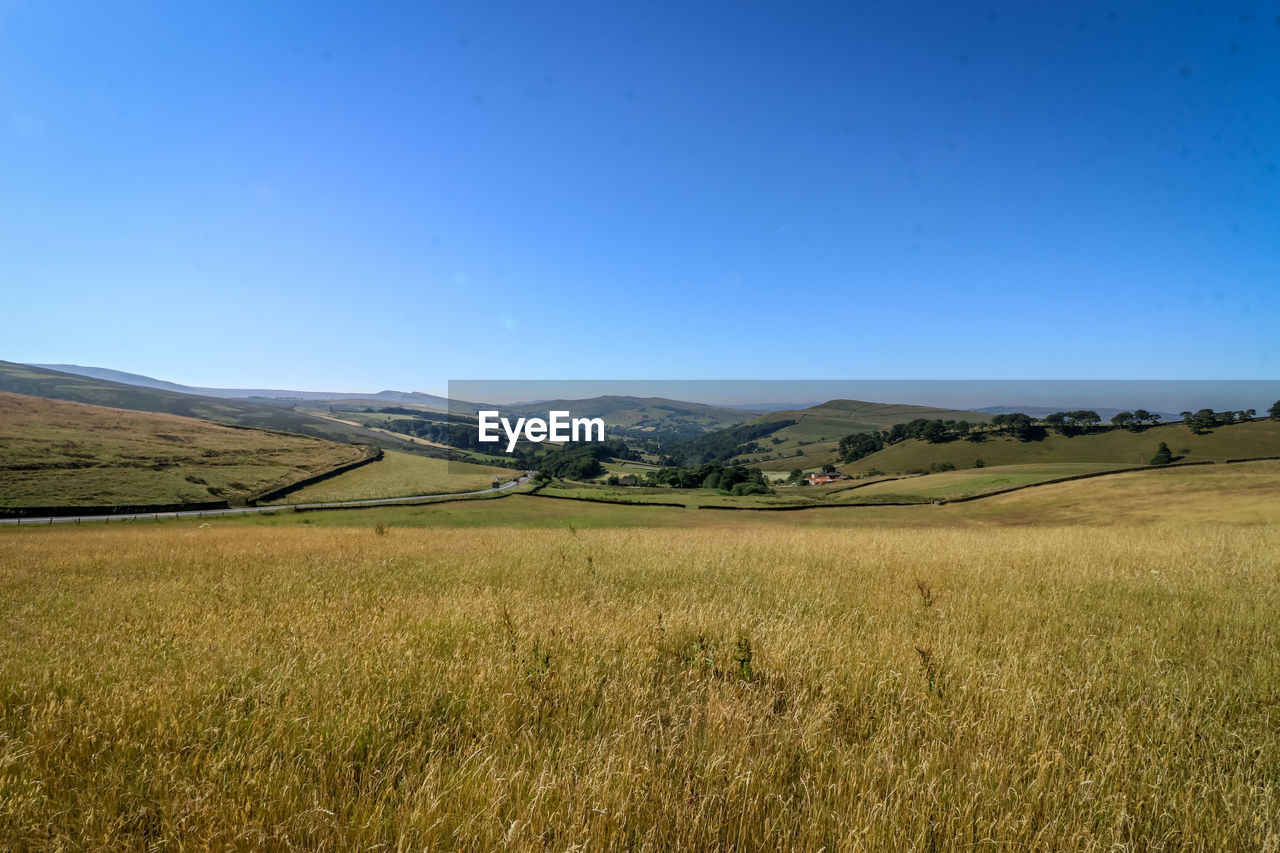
{"points": [[335, 415], [257, 413], [795, 435], [416, 398]]}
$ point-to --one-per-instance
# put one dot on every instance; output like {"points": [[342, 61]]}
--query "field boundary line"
{"points": [[372, 453]]}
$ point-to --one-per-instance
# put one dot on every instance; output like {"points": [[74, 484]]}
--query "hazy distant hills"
{"points": [[640, 413], [259, 413], [803, 435], [416, 398]]}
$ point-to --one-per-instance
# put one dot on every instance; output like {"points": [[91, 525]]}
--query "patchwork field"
{"points": [[1248, 493], [399, 474], [56, 453]]}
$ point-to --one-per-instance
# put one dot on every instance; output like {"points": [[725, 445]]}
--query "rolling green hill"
{"points": [[57, 453], [258, 414], [811, 441], [1118, 448], [644, 414]]}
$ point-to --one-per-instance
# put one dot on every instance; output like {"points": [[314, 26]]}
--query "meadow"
{"points": [[399, 474], [496, 674]]}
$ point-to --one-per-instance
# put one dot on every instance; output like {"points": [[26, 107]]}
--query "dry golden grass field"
{"points": [[399, 474], [55, 453], [986, 681]]}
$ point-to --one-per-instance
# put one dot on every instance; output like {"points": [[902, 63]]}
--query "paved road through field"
{"points": [[245, 510]]}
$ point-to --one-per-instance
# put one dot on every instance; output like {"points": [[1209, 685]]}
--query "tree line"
{"points": [[1023, 427], [722, 445], [730, 479]]}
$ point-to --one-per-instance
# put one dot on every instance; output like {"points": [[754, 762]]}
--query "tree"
{"points": [[1142, 416], [1202, 421], [1274, 411], [1163, 455], [1124, 420], [1086, 418], [1016, 425], [934, 432], [859, 444], [796, 475]]}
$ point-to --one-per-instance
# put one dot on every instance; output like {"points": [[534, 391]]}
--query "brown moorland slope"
{"points": [[57, 453]]}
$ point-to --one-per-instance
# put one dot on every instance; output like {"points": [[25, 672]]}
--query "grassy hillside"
{"points": [[55, 453], [645, 414], [1120, 448], [748, 686], [399, 474], [969, 481], [259, 414], [812, 440]]}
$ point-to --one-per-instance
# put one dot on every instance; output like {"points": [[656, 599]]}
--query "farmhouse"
{"points": [[819, 479]]}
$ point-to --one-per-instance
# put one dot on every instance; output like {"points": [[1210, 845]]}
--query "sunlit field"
{"points": [[753, 687], [398, 474]]}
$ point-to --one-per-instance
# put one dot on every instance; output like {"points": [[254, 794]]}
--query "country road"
{"points": [[245, 510]]}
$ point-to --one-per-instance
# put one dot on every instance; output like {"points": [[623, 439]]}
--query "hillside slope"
{"points": [[641, 413], [811, 441], [57, 453], [1112, 447], [258, 414]]}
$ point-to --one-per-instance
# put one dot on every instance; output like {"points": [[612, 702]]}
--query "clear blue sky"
{"points": [[363, 196]]}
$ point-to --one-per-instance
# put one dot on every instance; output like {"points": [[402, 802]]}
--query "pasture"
{"points": [[399, 474], [56, 453], [523, 672]]}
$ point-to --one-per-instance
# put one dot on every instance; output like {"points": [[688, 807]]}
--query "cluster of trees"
{"points": [[733, 480], [860, 444], [1206, 419], [1073, 423], [460, 435], [1135, 420], [722, 445], [580, 461], [1017, 425]]}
